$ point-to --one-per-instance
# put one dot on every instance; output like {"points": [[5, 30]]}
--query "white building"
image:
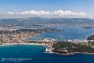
{"points": [[49, 40]]}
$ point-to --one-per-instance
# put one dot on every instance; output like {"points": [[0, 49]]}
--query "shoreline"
{"points": [[74, 53], [70, 53], [9, 44], [32, 36]]}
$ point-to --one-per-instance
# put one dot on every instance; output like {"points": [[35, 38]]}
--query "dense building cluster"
{"points": [[15, 37]]}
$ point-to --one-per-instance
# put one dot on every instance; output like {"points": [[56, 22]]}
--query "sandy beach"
{"points": [[8, 44]]}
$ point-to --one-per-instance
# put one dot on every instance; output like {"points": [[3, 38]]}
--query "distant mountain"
{"points": [[38, 20]]}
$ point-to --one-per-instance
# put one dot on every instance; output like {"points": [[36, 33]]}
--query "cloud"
{"points": [[11, 13], [68, 13], [33, 12], [58, 13]]}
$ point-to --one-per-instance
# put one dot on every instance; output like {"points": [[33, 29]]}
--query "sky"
{"points": [[47, 8]]}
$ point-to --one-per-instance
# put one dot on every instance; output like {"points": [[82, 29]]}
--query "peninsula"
{"points": [[68, 48]]}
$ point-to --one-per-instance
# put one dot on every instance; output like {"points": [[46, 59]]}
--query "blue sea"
{"points": [[69, 33], [37, 55]]}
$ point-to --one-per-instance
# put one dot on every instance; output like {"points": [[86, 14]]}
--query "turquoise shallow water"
{"points": [[70, 33], [36, 52], [37, 55]]}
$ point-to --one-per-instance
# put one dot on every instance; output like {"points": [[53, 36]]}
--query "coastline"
{"points": [[74, 53], [70, 53], [8, 44]]}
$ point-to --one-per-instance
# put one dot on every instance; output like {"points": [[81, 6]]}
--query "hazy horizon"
{"points": [[46, 8]]}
